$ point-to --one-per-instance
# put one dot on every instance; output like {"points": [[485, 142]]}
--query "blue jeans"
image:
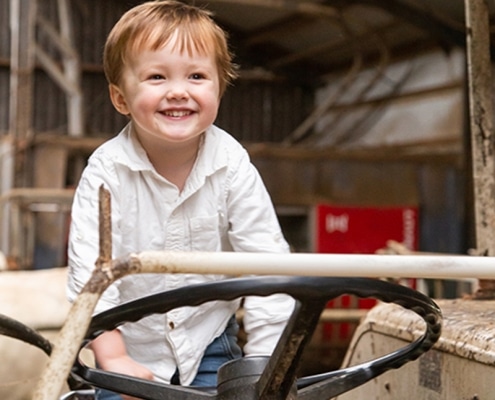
{"points": [[224, 348]]}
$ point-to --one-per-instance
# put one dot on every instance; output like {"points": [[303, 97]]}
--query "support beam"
{"points": [[64, 67], [303, 6], [7, 147], [481, 126], [425, 20], [72, 69], [22, 27], [68, 75], [24, 50]]}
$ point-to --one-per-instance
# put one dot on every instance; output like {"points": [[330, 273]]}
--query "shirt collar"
{"points": [[133, 154], [212, 154]]}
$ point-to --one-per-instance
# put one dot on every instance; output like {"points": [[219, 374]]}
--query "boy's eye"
{"points": [[197, 76], [156, 77]]}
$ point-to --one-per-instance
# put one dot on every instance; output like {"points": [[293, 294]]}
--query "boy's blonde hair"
{"points": [[150, 25]]}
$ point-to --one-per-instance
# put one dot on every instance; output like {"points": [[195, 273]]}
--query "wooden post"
{"points": [[7, 151], [72, 70], [22, 39], [22, 21], [481, 126], [50, 159]]}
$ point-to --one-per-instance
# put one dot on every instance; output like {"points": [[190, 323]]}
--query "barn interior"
{"points": [[354, 107], [360, 103]]}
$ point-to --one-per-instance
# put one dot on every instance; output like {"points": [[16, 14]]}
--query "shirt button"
{"points": [[171, 325]]}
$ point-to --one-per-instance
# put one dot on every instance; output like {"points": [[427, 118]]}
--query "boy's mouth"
{"points": [[177, 113]]}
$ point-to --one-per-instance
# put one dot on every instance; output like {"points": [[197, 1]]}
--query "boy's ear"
{"points": [[118, 99]]}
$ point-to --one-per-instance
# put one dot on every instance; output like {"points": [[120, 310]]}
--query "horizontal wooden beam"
{"points": [[448, 151], [303, 6]]}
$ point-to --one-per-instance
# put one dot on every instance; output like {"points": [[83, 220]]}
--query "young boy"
{"points": [[178, 183]]}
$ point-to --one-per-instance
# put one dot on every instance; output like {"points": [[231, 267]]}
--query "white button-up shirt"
{"points": [[224, 206]]}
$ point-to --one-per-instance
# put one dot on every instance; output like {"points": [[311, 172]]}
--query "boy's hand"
{"points": [[127, 366], [111, 355]]}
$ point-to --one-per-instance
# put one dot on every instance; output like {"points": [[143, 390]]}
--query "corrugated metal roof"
{"points": [[309, 38]]}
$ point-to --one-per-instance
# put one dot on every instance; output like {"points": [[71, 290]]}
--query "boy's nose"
{"points": [[177, 91]]}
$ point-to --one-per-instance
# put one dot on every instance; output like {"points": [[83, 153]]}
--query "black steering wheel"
{"points": [[274, 377]]}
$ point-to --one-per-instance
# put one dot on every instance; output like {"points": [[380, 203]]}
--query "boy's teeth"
{"points": [[177, 113]]}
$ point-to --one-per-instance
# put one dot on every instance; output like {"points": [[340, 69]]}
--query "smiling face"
{"points": [[171, 95]]}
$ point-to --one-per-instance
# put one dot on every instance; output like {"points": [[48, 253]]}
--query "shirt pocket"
{"points": [[205, 233]]}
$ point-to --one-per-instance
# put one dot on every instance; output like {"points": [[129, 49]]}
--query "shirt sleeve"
{"points": [[254, 227], [83, 249]]}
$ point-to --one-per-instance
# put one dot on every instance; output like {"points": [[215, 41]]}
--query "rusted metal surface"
{"points": [[66, 347], [105, 226], [458, 367], [482, 138], [467, 330]]}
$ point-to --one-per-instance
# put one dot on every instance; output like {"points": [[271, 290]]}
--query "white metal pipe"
{"points": [[311, 264]]}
